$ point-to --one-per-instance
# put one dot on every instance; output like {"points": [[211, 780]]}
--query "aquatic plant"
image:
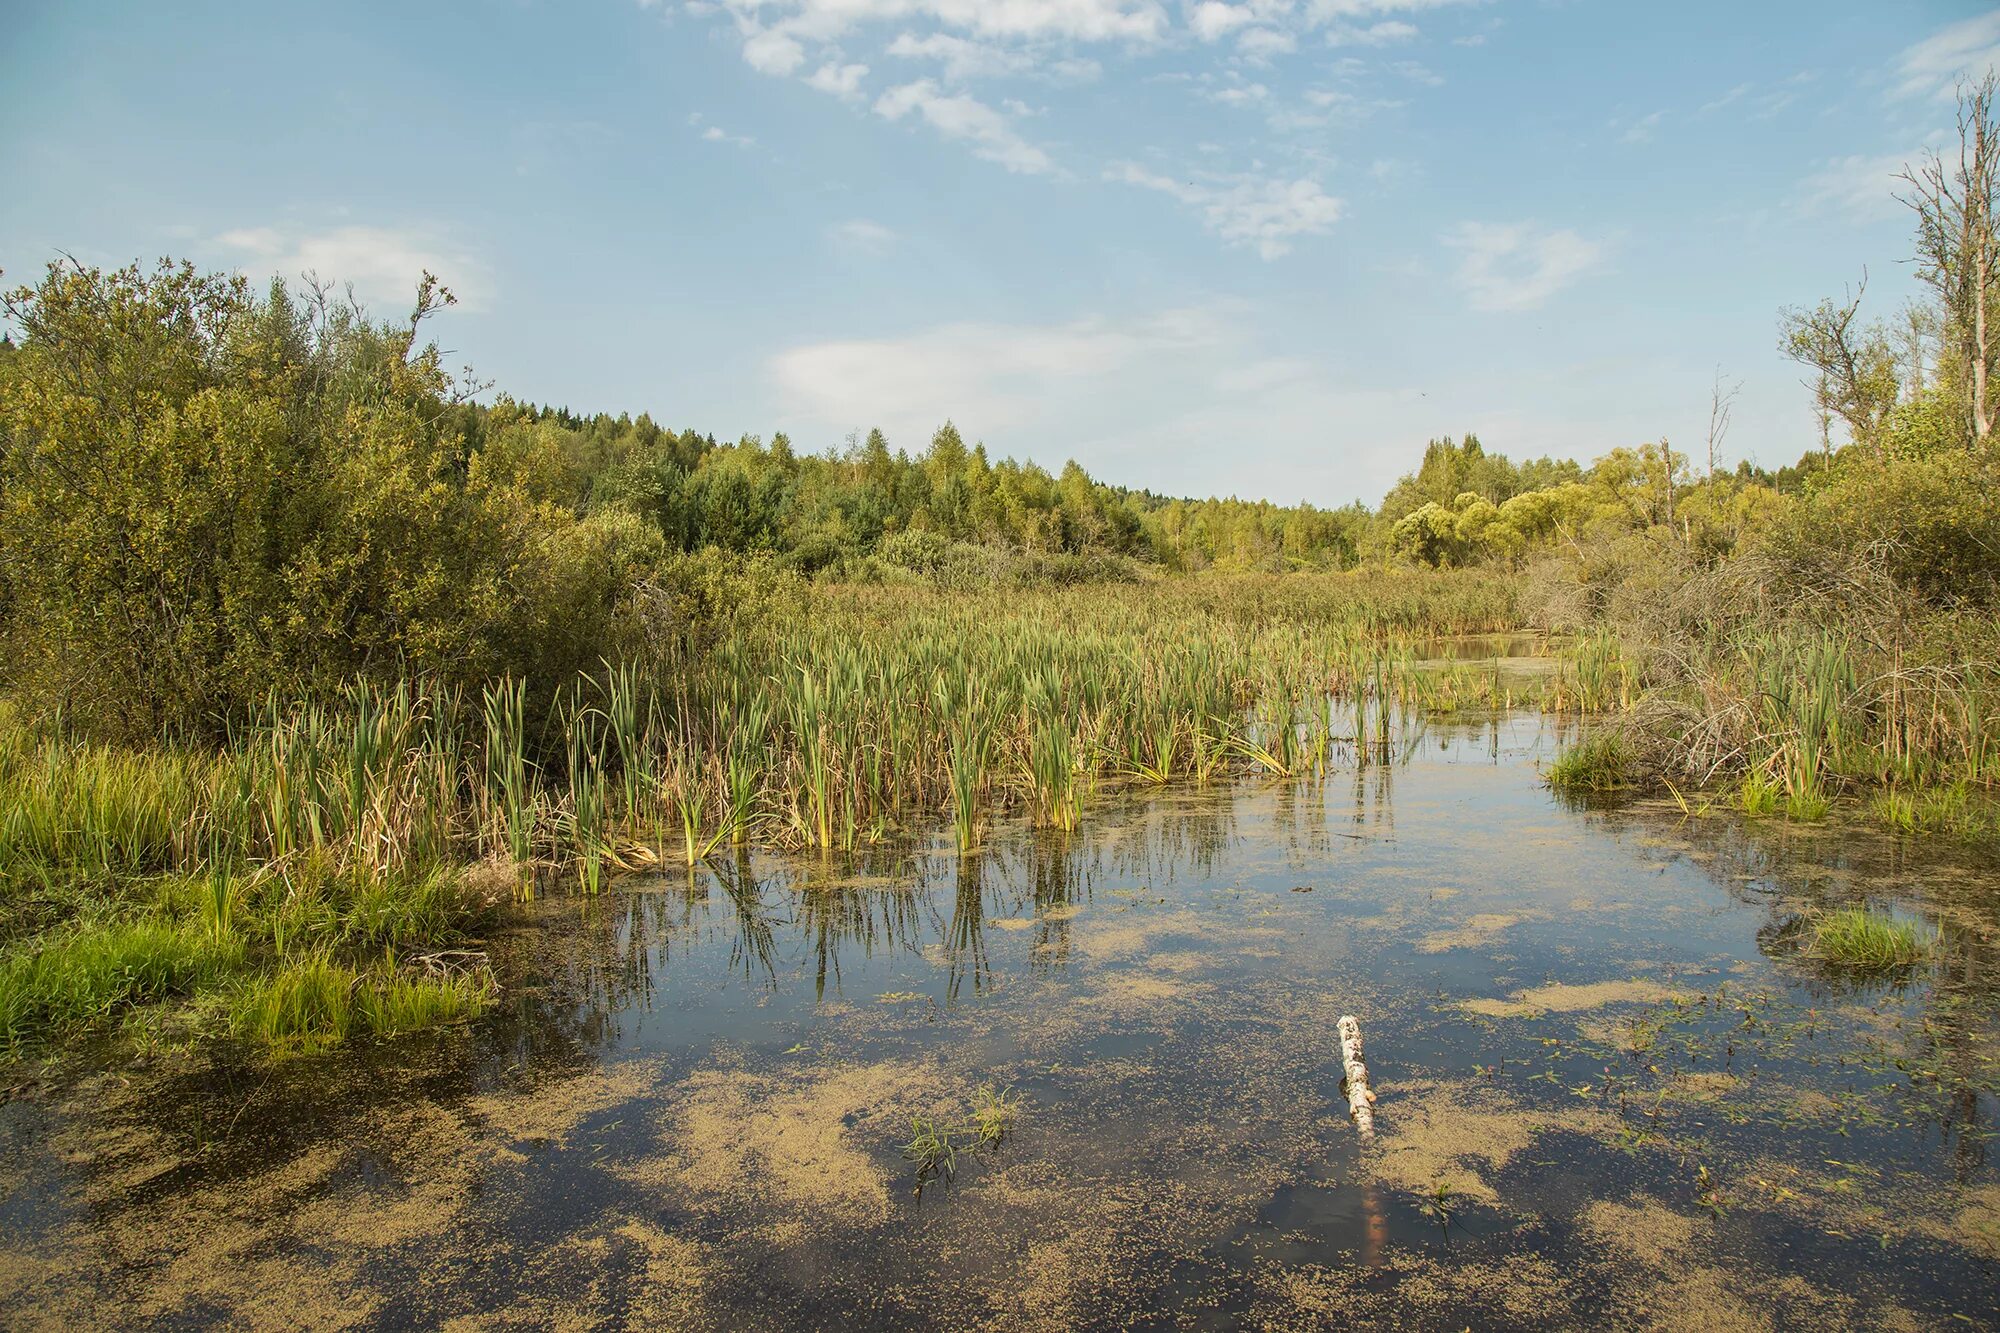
{"points": [[936, 1142], [931, 1148], [84, 978], [1758, 793], [1597, 762], [392, 1001], [994, 1111], [327, 827], [305, 1006], [1867, 939]]}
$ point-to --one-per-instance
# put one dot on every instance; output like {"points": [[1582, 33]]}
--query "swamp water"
{"points": [[1612, 1091]]}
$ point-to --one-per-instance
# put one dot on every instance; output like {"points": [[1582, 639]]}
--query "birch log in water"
{"points": [[1360, 1097]]}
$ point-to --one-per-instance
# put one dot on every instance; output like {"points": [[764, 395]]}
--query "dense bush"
{"points": [[207, 495]]}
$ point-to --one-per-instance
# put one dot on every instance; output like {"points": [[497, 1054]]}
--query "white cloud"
{"points": [[773, 51], [1641, 130], [1513, 266], [961, 117], [864, 236], [996, 375], [962, 58], [1964, 50], [820, 21], [1417, 72], [1237, 94], [1375, 34], [1264, 213], [1142, 399], [1730, 98], [1260, 44], [1859, 186], [1212, 20], [716, 134], [1330, 11], [381, 264], [842, 81]]}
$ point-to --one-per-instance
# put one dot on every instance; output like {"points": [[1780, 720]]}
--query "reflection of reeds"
{"points": [[835, 727]]}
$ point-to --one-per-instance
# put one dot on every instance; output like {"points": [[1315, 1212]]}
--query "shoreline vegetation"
{"points": [[312, 658]]}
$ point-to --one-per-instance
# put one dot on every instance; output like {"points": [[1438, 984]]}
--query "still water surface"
{"points": [[1612, 1092]]}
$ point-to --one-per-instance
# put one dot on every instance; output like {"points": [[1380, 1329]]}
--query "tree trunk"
{"points": [[1982, 419]]}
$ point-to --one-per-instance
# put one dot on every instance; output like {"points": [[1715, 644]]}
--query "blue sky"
{"points": [[1265, 248]]}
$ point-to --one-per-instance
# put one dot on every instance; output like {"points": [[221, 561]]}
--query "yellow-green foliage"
{"points": [[208, 496], [313, 1003], [90, 976], [1597, 763], [1863, 938]]}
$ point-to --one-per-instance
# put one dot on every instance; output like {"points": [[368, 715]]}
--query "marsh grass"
{"points": [[1758, 793], [936, 1142], [95, 974], [314, 1003], [1949, 812], [1869, 940], [994, 1111], [1598, 762], [932, 1148], [279, 863]]}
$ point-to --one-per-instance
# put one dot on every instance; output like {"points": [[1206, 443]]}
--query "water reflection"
{"points": [[709, 1059]]}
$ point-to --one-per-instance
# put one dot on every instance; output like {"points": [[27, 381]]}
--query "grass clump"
{"points": [[84, 978], [395, 1002], [1866, 939], [1946, 812], [993, 1113], [936, 1142], [1596, 763], [305, 1006], [312, 1004], [932, 1148]]}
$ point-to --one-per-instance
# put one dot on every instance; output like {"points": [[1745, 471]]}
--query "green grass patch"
{"points": [[315, 1003], [1869, 940], [1939, 812], [78, 981], [392, 1003], [1596, 763]]}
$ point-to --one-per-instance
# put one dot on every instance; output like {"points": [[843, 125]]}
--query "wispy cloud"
{"points": [[1964, 50], [1259, 45], [961, 58], [1515, 266], [716, 134], [1266, 214], [1374, 34], [989, 373], [863, 236], [1730, 98], [1640, 130], [957, 116], [1860, 186], [382, 265]]}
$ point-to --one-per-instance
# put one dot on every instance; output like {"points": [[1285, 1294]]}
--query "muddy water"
{"points": [[1612, 1092]]}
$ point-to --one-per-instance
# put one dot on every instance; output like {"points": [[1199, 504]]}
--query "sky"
{"points": [[1265, 248]]}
